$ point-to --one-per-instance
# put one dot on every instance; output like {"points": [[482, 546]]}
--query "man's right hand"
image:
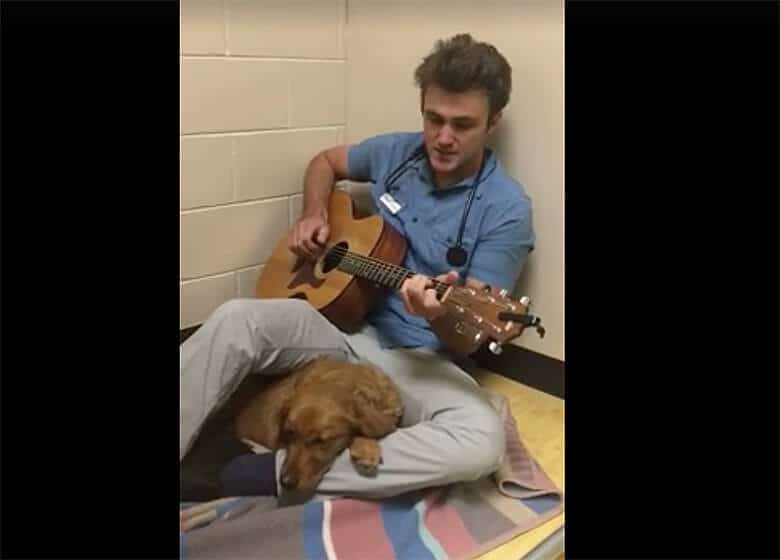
{"points": [[309, 234]]}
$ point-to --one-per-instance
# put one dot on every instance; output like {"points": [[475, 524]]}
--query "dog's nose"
{"points": [[288, 482]]}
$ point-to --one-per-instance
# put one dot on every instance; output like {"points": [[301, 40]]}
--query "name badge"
{"points": [[390, 203]]}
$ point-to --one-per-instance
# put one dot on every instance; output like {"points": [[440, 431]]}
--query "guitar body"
{"points": [[342, 298], [362, 258]]}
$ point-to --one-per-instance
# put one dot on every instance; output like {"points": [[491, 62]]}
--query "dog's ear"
{"points": [[372, 419], [277, 426]]}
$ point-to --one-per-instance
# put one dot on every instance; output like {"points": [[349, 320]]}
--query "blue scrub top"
{"points": [[498, 234]]}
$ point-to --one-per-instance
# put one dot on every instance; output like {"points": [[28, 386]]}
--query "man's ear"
{"points": [[493, 122]]}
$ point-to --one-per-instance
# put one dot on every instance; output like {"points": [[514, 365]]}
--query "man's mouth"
{"points": [[444, 155]]}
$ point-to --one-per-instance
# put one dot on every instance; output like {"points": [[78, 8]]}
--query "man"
{"points": [[421, 186]]}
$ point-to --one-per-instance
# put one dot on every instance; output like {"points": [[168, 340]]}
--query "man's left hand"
{"points": [[419, 296]]}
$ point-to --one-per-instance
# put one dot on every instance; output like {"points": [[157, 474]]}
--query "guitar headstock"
{"points": [[485, 316]]}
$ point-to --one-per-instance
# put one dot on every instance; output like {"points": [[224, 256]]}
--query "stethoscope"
{"points": [[456, 255]]}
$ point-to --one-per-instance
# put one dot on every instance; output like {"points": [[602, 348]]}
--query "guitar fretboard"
{"points": [[385, 274]]}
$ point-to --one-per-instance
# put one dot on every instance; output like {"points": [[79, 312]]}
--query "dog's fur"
{"points": [[319, 410]]}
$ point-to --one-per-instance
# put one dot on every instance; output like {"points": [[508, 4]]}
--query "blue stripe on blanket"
{"points": [[401, 521], [542, 504], [312, 531]]}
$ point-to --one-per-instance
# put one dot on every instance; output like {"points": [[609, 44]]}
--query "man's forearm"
{"points": [[317, 186]]}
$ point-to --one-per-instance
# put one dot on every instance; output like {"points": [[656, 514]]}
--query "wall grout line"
{"points": [[260, 58], [343, 7], [207, 276], [199, 209], [233, 271], [289, 99], [233, 179], [226, 16], [251, 131]]}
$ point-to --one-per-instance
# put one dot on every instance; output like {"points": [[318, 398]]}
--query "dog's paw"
{"points": [[395, 412], [366, 455]]}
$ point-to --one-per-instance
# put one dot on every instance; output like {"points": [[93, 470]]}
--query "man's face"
{"points": [[455, 126]]}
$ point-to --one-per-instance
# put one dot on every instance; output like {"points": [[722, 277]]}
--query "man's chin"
{"points": [[441, 168]]}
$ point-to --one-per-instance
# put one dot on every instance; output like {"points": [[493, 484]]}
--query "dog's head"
{"points": [[315, 429], [321, 415]]}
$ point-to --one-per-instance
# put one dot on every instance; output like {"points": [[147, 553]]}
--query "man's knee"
{"points": [[481, 445], [267, 309]]}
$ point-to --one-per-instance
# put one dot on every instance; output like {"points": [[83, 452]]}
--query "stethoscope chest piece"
{"points": [[456, 256]]}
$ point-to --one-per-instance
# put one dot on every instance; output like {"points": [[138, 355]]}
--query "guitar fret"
{"points": [[400, 276], [386, 274]]}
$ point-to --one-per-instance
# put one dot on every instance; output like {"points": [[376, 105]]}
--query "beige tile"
{"points": [[247, 281], [202, 27], [228, 95], [206, 171], [285, 28], [317, 93], [296, 207], [226, 238], [273, 163], [199, 298]]}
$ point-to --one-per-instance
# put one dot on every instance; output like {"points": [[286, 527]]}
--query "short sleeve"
{"points": [[370, 159], [501, 252]]}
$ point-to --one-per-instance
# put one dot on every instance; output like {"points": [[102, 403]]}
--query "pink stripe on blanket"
{"points": [[446, 526], [357, 531]]}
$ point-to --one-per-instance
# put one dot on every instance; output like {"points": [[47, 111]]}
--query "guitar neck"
{"points": [[382, 273]]}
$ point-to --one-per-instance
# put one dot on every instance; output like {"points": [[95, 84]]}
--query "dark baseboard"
{"points": [[184, 334], [525, 366], [519, 364]]}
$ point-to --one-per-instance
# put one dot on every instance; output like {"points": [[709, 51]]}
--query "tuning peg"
{"points": [[525, 300], [503, 292], [495, 348]]}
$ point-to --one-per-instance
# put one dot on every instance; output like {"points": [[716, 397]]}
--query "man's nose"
{"points": [[446, 135]]}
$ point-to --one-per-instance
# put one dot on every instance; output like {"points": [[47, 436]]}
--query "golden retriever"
{"points": [[316, 412]]}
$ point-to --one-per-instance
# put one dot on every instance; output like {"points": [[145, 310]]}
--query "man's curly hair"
{"points": [[460, 64]]}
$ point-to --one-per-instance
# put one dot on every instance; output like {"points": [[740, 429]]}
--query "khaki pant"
{"points": [[449, 433]]}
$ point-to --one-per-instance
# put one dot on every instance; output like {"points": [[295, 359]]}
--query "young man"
{"points": [[421, 185]]}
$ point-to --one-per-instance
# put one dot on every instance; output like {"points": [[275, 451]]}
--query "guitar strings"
{"points": [[397, 273]]}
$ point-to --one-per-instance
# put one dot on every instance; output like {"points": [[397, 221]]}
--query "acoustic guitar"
{"points": [[361, 259]]}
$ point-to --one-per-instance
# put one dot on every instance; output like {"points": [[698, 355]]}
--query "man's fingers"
{"points": [[431, 303], [415, 292], [322, 234], [449, 278], [404, 293], [310, 247]]}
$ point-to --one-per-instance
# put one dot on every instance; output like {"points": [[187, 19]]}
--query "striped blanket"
{"points": [[455, 522]]}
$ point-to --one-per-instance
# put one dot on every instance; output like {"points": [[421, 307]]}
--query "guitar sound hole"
{"points": [[334, 257]]}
